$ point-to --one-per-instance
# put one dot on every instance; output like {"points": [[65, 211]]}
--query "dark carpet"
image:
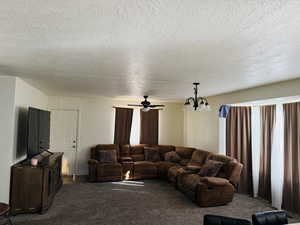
{"points": [[137, 202]]}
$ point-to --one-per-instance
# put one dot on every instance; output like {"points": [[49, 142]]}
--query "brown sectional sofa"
{"points": [[131, 164]]}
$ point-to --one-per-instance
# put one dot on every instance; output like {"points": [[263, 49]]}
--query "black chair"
{"points": [[277, 217], [222, 220]]}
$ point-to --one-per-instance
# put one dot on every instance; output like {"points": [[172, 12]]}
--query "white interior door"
{"points": [[63, 138]]}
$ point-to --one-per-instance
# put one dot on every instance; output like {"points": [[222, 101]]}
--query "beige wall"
{"points": [[15, 97], [201, 128], [7, 94], [96, 123]]}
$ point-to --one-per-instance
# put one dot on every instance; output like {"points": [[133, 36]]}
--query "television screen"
{"points": [[38, 131]]}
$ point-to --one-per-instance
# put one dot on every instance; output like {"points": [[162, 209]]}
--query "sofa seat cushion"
{"points": [[145, 169], [152, 154], [125, 159], [163, 168], [193, 167], [107, 156], [174, 172], [109, 170]]}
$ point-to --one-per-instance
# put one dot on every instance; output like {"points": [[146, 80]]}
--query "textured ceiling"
{"points": [[156, 47]]}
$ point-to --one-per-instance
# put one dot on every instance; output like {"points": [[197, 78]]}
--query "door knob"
{"points": [[74, 146], [74, 141]]}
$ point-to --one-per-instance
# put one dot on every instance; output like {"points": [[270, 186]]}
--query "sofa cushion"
{"points": [[184, 162], [94, 151], [193, 167], [152, 154], [163, 168], [232, 171], [126, 159], [125, 151], [163, 149], [226, 168], [221, 158], [199, 157], [137, 149], [173, 173], [145, 169], [138, 157], [172, 157], [184, 152], [211, 168], [107, 156]]}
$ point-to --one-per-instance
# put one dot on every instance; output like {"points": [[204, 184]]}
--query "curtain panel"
{"points": [[149, 127], [291, 187], [123, 122], [267, 128], [238, 144]]}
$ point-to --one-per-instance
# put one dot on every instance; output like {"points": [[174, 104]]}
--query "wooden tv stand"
{"points": [[33, 188]]}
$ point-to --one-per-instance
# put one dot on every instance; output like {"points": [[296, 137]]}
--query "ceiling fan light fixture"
{"points": [[146, 109], [146, 105]]}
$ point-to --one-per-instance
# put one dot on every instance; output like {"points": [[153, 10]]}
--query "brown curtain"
{"points": [[149, 127], [267, 126], [291, 187], [123, 121], [238, 144]]}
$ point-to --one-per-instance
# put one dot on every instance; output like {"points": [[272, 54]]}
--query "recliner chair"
{"points": [[276, 217], [223, 220]]}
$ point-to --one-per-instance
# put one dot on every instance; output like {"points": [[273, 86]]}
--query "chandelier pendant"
{"points": [[198, 103]]}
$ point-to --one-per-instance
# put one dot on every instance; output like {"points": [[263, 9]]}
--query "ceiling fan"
{"points": [[146, 105]]}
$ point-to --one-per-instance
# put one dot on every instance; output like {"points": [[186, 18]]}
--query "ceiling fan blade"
{"points": [[153, 106], [135, 105]]}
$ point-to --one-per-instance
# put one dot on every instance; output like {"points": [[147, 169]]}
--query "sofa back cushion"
{"points": [[138, 157], [199, 157], [152, 154], [172, 157], [163, 149], [221, 158], [107, 156], [124, 150], [137, 149], [226, 168], [185, 152], [211, 168], [94, 150]]}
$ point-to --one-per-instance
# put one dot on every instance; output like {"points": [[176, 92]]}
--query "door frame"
{"points": [[77, 136]]}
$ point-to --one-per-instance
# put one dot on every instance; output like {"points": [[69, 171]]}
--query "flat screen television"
{"points": [[38, 131]]}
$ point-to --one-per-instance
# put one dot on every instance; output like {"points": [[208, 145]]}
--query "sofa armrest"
{"points": [[214, 181], [93, 170], [92, 162]]}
